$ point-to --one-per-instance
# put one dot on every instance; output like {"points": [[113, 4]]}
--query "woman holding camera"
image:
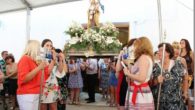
{"points": [[51, 90]]}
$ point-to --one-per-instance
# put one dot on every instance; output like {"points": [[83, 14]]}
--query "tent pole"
{"points": [[28, 24], [161, 40], [160, 21]]}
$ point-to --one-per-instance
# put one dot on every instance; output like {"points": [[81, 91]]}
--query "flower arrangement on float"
{"points": [[98, 39]]}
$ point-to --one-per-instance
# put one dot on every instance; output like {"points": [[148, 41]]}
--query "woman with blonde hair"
{"points": [[29, 76], [139, 93]]}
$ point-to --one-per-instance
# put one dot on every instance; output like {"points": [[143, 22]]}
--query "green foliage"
{"points": [[100, 39]]}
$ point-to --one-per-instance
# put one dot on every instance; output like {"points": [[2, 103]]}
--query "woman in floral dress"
{"points": [[62, 82], [75, 82], [51, 90], [171, 80]]}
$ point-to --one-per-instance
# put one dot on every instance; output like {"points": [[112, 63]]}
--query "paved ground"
{"points": [[88, 107], [82, 107], [98, 105]]}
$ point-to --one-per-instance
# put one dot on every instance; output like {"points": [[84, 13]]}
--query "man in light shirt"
{"points": [[91, 78]]}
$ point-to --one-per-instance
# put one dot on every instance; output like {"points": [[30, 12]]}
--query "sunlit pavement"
{"points": [[98, 105], [89, 107]]}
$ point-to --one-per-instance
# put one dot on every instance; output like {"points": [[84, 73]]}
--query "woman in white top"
{"points": [[139, 95]]}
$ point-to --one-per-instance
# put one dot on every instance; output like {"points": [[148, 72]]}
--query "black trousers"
{"points": [[91, 80]]}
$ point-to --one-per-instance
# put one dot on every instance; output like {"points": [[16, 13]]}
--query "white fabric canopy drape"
{"points": [[7, 6]]}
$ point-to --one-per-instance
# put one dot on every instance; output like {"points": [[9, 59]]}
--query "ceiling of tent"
{"points": [[16, 5]]}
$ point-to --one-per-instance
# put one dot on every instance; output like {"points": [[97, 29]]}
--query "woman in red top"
{"points": [[29, 76]]}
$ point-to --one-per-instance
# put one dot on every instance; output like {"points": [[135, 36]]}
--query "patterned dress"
{"points": [[51, 90], [139, 96], [63, 86], [75, 79], [171, 92], [104, 83]]}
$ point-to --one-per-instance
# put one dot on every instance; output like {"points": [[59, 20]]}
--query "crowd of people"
{"points": [[163, 79]]}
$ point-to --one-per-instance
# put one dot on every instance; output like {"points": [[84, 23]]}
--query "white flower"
{"points": [[80, 39], [104, 38], [75, 29], [74, 40], [76, 34], [109, 40], [118, 43]]}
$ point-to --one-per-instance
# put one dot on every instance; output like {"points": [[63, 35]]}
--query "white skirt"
{"points": [[144, 99], [28, 101]]}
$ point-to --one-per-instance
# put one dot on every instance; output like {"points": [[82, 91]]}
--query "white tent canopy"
{"points": [[51, 21], [16, 5], [7, 6]]}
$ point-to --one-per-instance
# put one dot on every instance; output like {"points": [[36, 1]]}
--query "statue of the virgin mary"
{"points": [[93, 14]]}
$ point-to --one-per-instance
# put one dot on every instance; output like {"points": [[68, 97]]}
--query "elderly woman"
{"points": [[171, 80]]}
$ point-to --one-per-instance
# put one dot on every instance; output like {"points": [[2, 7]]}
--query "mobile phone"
{"points": [[125, 56]]}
